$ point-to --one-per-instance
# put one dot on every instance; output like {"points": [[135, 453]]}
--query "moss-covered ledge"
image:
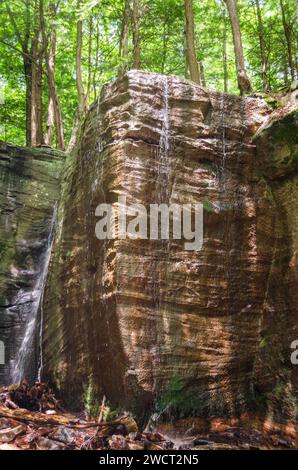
{"points": [[277, 144]]}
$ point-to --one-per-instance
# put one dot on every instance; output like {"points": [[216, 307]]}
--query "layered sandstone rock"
{"points": [[29, 189], [147, 323]]}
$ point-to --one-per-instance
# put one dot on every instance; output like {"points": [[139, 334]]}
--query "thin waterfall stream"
{"points": [[23, 362], [224, 191], [162, 195]]}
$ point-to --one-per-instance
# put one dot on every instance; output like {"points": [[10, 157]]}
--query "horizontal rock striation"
{"points": [[29, 189], [147, 323]]}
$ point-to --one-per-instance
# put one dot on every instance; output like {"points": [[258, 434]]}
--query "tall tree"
{"points": [[54, 115], [98, 39], [225, 52], [123, 50], [32, 52], [136, 15], [34, 77], [261, 33], [24, 41], [288, 35], [82, 96], [96, 55], [191, 57], [242, 77], [79, 73], [40, 52]]}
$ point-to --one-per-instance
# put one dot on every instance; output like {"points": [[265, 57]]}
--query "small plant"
{"points": [[95, 407], [180, 400], [90, 398]]}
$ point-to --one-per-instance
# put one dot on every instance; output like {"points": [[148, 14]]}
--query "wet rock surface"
{"points": [[154, 326], [29, 190]]}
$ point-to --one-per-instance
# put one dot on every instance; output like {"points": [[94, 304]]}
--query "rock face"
{"points": [[29, 189], [145, 322]]}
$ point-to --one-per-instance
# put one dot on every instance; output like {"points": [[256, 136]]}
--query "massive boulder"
{"points": [[29, 190], [145, 322]]}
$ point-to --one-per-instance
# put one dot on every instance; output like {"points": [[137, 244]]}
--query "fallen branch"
{"points": [[26, 416]]}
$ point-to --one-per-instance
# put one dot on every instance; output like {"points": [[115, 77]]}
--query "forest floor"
{"points": [[32, 419]]}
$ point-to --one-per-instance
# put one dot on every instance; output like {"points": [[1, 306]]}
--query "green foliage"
{"points": [[162, 48], [90, 399], [180, 400], [93, 405]]}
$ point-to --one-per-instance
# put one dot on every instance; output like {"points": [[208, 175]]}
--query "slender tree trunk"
{"points": [[225, 53], [87, 96], [82, 102], [79, 73], [34, 91], [123, 51], [243, 80], [50, 63], [288, 36], [262, 46], [54, 117], [39, 113], [50, 126], [28, 80], [96, 61], [286, 71], [136, 34], [37, 53], [202, 73], [27, 62], [54, 108], [191, 58]]}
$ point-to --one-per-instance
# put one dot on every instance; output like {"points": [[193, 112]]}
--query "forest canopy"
{"points": [[55, 55]]}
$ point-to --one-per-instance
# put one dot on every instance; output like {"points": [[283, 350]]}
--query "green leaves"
{"points": [[162, 47]]}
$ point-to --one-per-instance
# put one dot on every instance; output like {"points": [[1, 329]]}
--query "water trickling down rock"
{"points": [[29, 189], [146, 323]]}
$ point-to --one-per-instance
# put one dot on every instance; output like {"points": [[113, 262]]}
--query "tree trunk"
{"points": [[28, 80], [34, 91], [82, 104], [37, 53], [202, 74], [87, 96], [225, 53], [50, 63], [96, 60], [136, 34], [191, 59], [39, 113], [27, 62], [79, 74], [54, 111], [243, 80], [50, 126], [262, 46], [288, 36], [123, 51]]}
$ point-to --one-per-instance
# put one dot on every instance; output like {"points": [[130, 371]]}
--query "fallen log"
{"points": [[125, 422], [41, 419]]}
